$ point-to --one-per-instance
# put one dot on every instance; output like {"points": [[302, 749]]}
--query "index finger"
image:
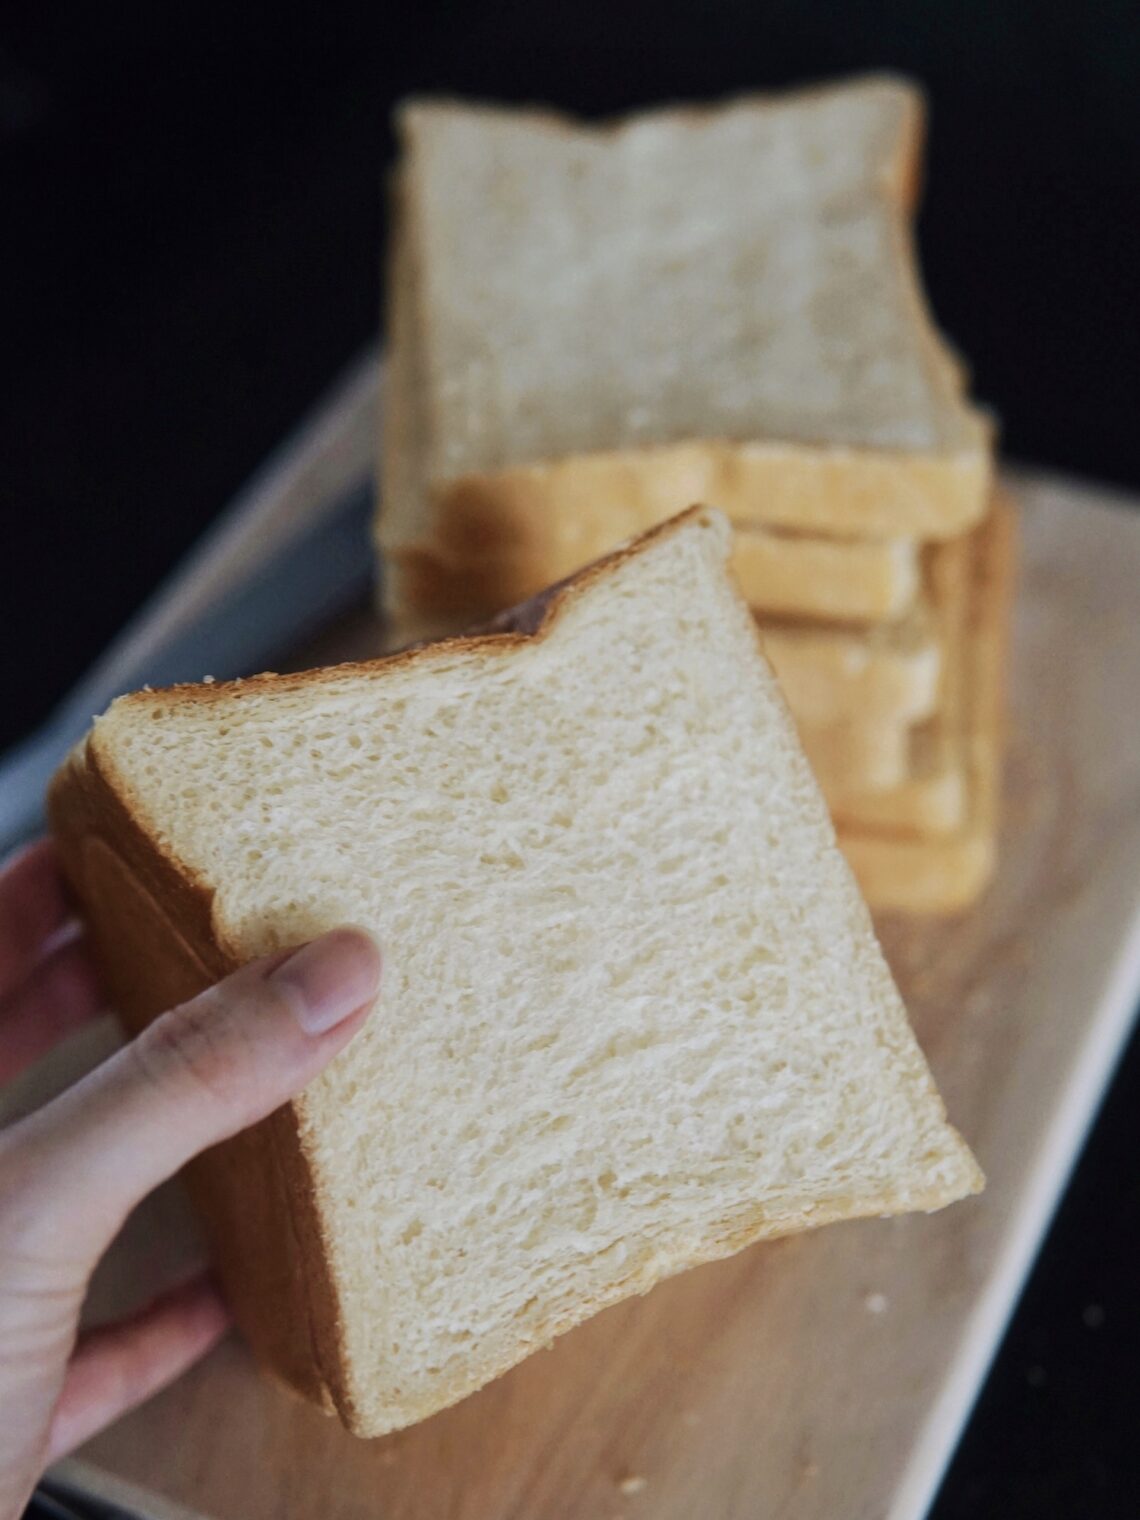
{"points": [[194, 1077], [33, 909]]}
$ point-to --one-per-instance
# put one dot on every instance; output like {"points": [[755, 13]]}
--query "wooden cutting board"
{"points": [[827, 1375]]}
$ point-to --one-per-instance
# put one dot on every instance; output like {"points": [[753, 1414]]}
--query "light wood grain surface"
{"points": [[826, 1375]]}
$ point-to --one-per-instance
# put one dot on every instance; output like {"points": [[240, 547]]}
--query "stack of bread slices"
{"points": [[591, 328]]}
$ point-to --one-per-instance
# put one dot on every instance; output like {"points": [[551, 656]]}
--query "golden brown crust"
{"points": [[823, 488], [502, 637], [909, 871], [151, 931], [948, 568]]}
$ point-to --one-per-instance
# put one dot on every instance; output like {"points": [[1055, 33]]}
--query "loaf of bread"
{"points": [[633, 1013], [590, 326]]}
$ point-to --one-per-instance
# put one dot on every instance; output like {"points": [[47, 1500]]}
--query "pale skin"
{"points": [[72, 1171]]}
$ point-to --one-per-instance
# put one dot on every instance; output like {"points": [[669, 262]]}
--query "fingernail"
{"points": [[330, 978]]}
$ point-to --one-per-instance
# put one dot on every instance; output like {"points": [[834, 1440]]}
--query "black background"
{"points": [[193, 219]]}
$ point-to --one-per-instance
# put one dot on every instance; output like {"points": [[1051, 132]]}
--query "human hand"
{"points": [[71, 1172]]}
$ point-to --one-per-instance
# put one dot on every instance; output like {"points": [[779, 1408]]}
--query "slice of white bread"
{"points": [[932, 794], [833, 675], [780, 573], [912, 871], [593, 325], [633, 1015]]}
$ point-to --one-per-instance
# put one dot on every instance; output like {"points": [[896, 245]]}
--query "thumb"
{"points": [[194, 1077]]}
